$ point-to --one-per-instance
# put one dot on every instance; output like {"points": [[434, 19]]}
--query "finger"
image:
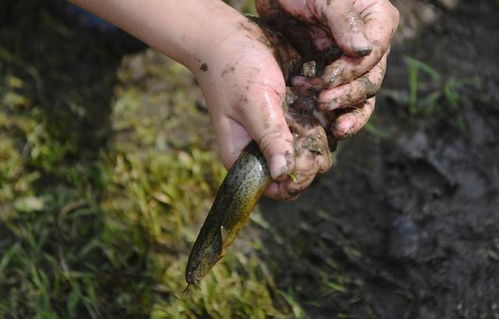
{"points": [[261, 114], [278, 191], [272, 191], [322, 38], [232, 138], [289, 190], [381, 20], [267, 8], [308, 164], [350, 123], [311, 157], [308, 84], [307, 167], [355, 92], [345, 24]]}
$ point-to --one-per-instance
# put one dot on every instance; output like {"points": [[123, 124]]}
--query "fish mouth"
{"points": [[190, 283], [187, 289], [192, 277]]}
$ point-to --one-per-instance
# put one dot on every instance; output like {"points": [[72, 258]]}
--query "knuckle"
{"points": [[324, 163], [394, 13], [368, 87], [268, 139], [370, 106]]}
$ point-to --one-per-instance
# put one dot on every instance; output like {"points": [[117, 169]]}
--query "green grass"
{"points": [[107, 169], [111, 236], [430, 94]]}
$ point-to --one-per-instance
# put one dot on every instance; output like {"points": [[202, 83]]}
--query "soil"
{"points": [[406, 224]]}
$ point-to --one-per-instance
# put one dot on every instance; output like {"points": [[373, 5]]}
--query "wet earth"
{"points": [[406, 224]]}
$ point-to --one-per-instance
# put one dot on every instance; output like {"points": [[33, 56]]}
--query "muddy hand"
{"points": [[363, 30], [245, 89]]}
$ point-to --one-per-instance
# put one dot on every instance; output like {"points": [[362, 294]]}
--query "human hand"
{"points": [[363, 30], [244, 88], [236, 69]]}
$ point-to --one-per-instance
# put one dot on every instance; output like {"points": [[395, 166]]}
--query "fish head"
{"points": [[203, 262]]}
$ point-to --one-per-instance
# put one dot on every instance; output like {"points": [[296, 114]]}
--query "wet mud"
{"points": [[406, 225]]}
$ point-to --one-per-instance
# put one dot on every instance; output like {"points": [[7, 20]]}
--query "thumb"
{"points": [[263, 118], [346, 26]]}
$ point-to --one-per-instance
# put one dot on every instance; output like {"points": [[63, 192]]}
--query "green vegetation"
{"points": [[430, 94], [107, 169]]}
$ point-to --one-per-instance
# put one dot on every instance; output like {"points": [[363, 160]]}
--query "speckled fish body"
{"points": [[241, 189]]}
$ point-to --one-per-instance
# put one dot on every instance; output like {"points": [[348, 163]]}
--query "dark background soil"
{"points": [[406, 225]]}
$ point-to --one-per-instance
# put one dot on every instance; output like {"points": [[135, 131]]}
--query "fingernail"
{"points": [[360, 44], [363, 51], [278, 167], [293, 192], [345, 127]]}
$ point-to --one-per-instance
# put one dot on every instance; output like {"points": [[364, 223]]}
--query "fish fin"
{"points": [[223, 236], [223, 233]]}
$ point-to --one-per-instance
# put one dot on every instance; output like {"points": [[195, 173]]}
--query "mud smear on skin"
{"points": [[405, 226]]}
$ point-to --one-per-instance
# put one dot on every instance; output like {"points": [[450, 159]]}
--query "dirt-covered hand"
{"points": [[245, 89], [236, 68], [363, 30]]}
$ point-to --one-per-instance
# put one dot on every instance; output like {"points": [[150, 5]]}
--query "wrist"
{"points": [[217, 36]]}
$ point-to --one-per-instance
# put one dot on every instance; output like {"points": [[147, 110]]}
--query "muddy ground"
{"points": [[406, 225]]}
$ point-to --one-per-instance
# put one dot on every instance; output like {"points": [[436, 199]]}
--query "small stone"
{"points": [[309, 69]]}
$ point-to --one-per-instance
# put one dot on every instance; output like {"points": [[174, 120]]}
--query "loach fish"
{"points": [[241, 189], [249, 177]]}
